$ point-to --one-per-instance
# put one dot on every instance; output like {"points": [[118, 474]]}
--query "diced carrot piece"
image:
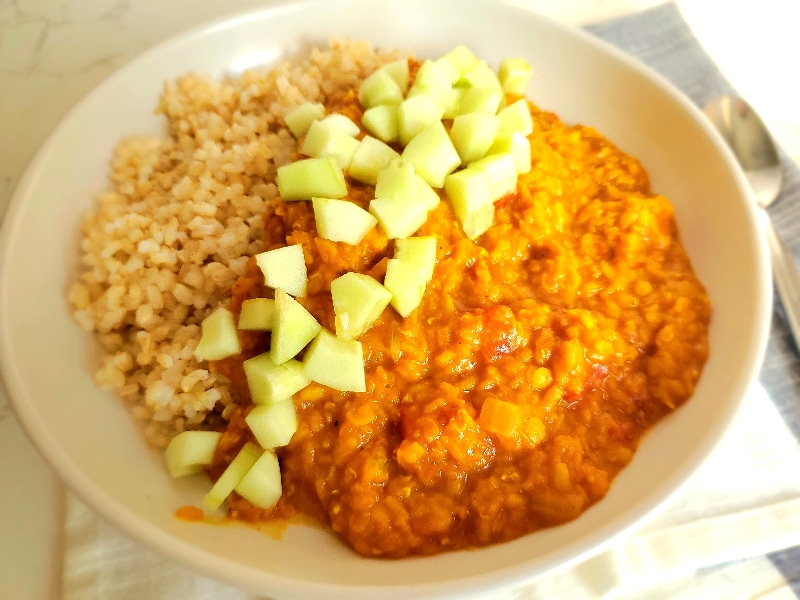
{"points": [[500, 417]]}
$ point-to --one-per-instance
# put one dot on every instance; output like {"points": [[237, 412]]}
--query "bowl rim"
{"points": [[196, 559]]}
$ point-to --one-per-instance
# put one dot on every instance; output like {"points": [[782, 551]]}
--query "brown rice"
{"points": [[163, 245]]}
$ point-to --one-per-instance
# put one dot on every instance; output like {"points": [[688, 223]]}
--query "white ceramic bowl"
{"points": [[94, 446]]}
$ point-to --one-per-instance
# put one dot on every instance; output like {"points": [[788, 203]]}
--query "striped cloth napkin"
{"points": [[734, 529]]}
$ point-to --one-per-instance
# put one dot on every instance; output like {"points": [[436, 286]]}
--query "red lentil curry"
{"points": [[509, 400]]}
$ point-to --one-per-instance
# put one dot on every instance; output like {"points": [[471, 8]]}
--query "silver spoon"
{"points": [[749, 138]]}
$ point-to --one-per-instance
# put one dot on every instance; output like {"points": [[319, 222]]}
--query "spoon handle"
{"points": [[787, 279]]}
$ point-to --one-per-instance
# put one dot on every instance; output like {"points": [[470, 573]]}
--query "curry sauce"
{"points": [[509, 400]]}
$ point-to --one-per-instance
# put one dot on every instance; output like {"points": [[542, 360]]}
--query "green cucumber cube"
{"points": [[293, 328], [470, 196], [433, 155], [514, 75], [257, 314], [480, 75], [218, 336], [341, 220], [416, 113], [426, 194], [381, 121], [406, 281], [300, 119], [399, 217], [358, 300], [502, 172], [369, 158], [473, 134], [327, 140], [457, 62], [516, 118], [305, 179], [339, 364], [284, 269], [341, 122], [398, 70], [273, 425], [379, 88], [480, 100], [420, 251], [518, 146], [397, 180], [189, 451], [270, 383], [232, 475], [261, 485]]}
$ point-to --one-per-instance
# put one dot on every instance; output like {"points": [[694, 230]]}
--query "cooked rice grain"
{"points": [[162, 247]]}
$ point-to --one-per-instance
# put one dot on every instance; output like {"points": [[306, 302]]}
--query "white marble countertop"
{"points": [[54, 51]]}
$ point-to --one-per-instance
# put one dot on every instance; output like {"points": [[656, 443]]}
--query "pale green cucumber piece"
{"points": [[358, 300], [341, 220], [448, 97], [293, 328], [273, 425], [473, 134], [399, 217], [397, 180], [432, 154], [406, 281], [457, 62], [257, 314], [327, 140], [381, 121], [426, 194], [398, 70], [339, 364], [470, 196], [514, 75], [261, 485], [189, 451], [420, 251], [232, 475], [310, 177], [299, 120], [379, 88], [431, 74], [284, 269], [369, 158], [480, 100], [218, 336], [480, 75], [516, 118], [502, 172], [518, 146], [416, 113], [270, 383], [341, 122]]}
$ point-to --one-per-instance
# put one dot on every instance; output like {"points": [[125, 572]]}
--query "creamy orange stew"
{"points": [[520, 387]]}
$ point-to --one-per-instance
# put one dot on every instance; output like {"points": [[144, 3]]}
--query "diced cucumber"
{"points": [[232, 475], [189, 451], [284, 269], [218, 338], [293, 328], [270, 383]]}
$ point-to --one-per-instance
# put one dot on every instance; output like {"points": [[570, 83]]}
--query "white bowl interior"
{"points": [[95, 447]]}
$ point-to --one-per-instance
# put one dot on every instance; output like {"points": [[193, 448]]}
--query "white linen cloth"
{"points": [[743, 504]]}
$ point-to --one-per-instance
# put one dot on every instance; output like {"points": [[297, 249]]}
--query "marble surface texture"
{"points": [[52, 52]]}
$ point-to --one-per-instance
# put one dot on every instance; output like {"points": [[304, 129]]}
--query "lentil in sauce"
{"points": [[509, 400]]}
